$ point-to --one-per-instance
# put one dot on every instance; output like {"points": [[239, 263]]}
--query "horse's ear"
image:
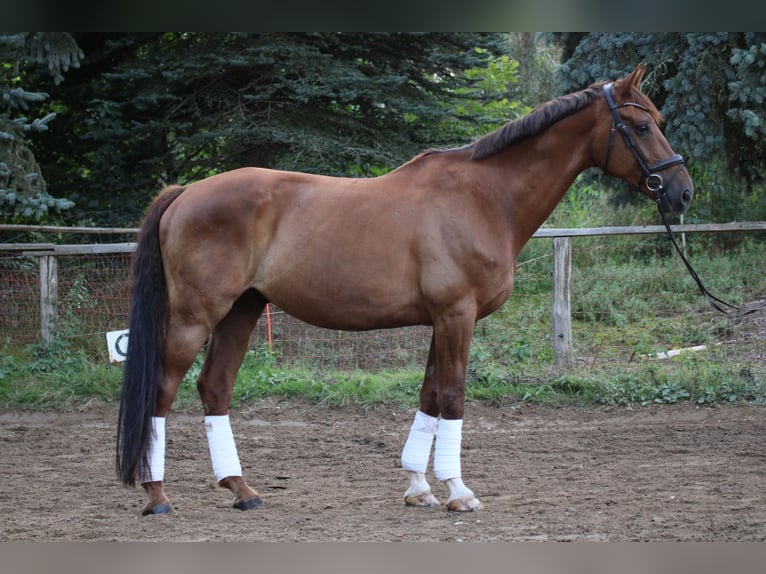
{"points": [[632, 80]]}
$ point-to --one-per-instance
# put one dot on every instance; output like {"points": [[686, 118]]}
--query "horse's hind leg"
{"points": [[181, 347], [226, 350]]}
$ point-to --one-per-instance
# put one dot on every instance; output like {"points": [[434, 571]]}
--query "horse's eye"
{"points": [[642, 128]]}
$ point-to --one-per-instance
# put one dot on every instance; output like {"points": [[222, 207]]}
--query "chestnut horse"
{"points": [[433, 242]]}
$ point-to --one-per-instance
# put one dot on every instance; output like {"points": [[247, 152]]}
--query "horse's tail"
{"points": [[143, 364]]}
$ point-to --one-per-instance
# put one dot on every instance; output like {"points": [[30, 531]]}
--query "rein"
{"points": [[715, 302], [656, 186]]}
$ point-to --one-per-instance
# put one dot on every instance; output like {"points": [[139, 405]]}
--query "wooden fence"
{"points": [[562, 267]]}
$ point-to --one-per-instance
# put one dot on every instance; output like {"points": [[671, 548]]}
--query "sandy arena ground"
{"points": [[670, 473]]}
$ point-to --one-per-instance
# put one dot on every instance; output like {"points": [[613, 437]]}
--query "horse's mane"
{"points": [[547, 114], [536, 121], [541, 118]]}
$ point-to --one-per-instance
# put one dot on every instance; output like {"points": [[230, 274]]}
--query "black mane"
{"points": [[539, 119]]}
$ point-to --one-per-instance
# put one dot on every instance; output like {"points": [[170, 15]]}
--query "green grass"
{"points": [[58, 380]]}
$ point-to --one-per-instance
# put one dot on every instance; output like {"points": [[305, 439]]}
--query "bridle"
{"points": [[656, 186], [653, 181]]}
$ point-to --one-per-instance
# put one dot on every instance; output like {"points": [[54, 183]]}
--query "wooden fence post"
{"points": [[562, 318], [48, 297]]}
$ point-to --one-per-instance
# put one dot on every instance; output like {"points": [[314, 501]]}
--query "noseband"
{"points": [[653, 181]]}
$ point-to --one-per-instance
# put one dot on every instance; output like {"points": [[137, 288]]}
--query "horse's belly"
{"points": [[347, 305], [347, 317]]}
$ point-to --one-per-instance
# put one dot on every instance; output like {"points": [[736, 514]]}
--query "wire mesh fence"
{"points": [[94, 298]]}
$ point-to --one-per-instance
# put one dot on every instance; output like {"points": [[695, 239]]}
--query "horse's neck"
{"points": [[534, 176]]}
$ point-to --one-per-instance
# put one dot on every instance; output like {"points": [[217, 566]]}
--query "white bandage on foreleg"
{"points": [[417, 449], [156, 453], [447, 451], [223, 451]]}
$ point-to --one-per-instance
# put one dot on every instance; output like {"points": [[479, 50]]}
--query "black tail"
{"points": [[143, 364]]}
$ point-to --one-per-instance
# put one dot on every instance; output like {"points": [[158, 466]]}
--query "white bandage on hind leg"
{"points": [[447, 451], [417, 449], [223, 451], [156, 453]]}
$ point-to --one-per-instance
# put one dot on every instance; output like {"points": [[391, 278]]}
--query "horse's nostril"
{"points": [[686, 196]]}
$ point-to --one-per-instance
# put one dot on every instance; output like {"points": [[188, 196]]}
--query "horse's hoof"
{"points": [[464, 504], [164, 508], [249, 504], [422, 499]]}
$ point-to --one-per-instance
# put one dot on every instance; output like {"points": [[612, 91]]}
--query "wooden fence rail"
{"points": [[562, 266]]}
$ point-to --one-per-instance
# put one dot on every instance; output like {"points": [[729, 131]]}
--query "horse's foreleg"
{"points": [[417, 449], [227, 349], [453, 334], [415, 455], [448, 469]]}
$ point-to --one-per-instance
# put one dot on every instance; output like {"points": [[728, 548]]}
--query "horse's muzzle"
{"points": [[677, 199], [673, 195]]}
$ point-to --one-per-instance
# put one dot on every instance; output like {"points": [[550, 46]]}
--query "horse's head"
{"points": [[634, 147]]}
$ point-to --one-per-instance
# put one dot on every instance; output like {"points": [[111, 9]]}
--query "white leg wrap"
{"points": [[156, 469], [417, 449], [223, 451], [447, 451]]}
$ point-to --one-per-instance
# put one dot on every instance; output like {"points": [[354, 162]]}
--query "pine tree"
{"points": [[23, 191]]}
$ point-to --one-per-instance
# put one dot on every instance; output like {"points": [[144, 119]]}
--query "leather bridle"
{"points": [[653, 181]]}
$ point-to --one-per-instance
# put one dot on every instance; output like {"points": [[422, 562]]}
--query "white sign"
{"points": [[117, 343]]}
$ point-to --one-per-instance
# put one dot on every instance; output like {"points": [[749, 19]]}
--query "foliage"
{"points": [[23, 191], [486, 103], [683, 381], [537, 63], [749, 89], [56, 377]]}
